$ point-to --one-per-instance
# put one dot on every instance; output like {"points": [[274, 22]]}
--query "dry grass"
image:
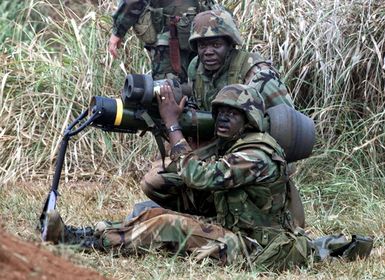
{"points": [[53, 59], [84, 203]]}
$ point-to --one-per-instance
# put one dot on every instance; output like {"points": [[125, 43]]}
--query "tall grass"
{"points": [[54, 59], [48, 78]]}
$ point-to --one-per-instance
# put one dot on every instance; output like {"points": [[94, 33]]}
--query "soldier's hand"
{"points": [[113, 44], [169, 110]]}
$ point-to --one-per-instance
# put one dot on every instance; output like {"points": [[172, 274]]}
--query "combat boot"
{"points": [[58, 232]]}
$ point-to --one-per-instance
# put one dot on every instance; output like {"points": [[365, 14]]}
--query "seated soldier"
{"points": [[245, 171]]}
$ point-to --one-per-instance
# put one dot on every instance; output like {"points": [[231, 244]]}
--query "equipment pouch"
{"points": [[145, 28], [221, 207], [283, 251], [183, 28], [157, 17]]}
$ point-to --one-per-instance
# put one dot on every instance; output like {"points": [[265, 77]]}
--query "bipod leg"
{"points": [[50, 202]]}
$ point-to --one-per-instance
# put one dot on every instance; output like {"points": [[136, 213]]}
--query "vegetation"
{"points": [[53, 58]]}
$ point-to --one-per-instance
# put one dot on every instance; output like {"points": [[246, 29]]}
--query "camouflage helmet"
{"points": [[214, 23], [243, 98]]}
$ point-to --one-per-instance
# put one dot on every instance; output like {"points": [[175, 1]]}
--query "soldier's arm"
{"points": [[232, 171], [170, 111], [266, 81], [127, 15]]}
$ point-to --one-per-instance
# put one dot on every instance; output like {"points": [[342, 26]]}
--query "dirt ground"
{"points": [[22, 260]]}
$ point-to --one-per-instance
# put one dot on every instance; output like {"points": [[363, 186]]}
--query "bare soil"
{"points": [[22, 260]]}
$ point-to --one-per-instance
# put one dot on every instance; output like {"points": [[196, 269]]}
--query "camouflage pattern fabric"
{"points": [[126, 16], [239, 67], [169, 191], [216, 23], [160, 228], [129, 14], [129, 11], [251, 70], [179, 233], [245, 180], [244, 98], [161, 66], [247, 184]]}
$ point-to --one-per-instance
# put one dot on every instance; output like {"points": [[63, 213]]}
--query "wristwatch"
{"points": [[173, 128]]}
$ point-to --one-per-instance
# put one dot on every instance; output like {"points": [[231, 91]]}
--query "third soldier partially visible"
{"points": [[164, 28]]}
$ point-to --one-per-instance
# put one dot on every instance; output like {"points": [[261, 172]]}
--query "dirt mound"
{"points": [[22, 260]]}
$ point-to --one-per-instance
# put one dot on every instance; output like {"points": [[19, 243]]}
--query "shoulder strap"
{"points": [[196, 73]]}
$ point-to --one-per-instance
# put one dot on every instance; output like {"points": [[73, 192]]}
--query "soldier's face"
{"points": [[229, 123], [212, 52]]}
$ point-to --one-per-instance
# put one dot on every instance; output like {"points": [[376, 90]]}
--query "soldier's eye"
{"points": [[201, 45], [234, 112]]}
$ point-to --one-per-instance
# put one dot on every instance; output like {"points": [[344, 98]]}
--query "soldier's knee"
{"points": [[151, 181], [168, 219]]}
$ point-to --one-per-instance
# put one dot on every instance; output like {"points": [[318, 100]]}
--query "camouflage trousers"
{"points": [[169, 191], [159, 228], [181, 233]]}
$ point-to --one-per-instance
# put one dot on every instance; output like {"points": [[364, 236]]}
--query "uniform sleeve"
{"points": [[126, 16], [266, 81], [232, 171]]}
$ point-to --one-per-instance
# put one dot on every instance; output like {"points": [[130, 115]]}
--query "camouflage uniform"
{"points": [[179, 191], [162, 228], [246, 179], [239, 67], [150, 20]]}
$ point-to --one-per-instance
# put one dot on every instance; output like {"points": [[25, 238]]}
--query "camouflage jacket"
{"points": [[240, 67], [248, 182], [151, 21], [129, 12]]}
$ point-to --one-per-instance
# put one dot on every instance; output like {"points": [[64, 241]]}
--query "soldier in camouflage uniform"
{"points": [[214, 36], [164, 28], [245, 171]]}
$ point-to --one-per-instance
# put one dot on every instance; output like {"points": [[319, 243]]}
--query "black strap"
{"points": [[157, 134]]}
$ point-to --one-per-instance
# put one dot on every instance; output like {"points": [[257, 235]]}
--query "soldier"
{"points": [[214, 36], [245, 171], [164, 28]]}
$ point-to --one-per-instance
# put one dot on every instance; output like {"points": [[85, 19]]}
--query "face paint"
{"points": [[229, 123]]}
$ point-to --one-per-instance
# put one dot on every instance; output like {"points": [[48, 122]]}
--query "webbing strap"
{"points": [[156, 132], [237, 69], [174, 45]]}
